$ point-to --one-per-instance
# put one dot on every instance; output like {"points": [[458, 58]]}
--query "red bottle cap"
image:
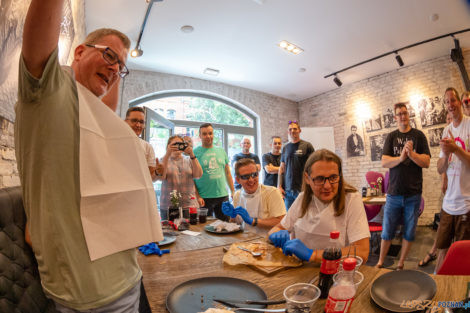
{"points": [[334, 234], [192, 210], [349, 264]]}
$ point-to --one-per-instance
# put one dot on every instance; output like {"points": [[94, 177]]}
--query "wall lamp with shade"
{"points": [[137, 51]]}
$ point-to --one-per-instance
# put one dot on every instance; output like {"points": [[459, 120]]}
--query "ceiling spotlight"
{"points": [[187, 29], [399, 59], [211, 71], [337, 81], [290, 47], [137, 52]]}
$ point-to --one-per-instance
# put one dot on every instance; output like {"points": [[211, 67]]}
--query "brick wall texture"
{"points": [[8, 171], [338, 108]]}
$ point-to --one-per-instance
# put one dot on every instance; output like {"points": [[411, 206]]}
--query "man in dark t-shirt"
{"points": [[245, 154], [293, 158], [271, 162], [405, 152]]}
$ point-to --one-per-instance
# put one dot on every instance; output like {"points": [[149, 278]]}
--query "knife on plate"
{"points": [[265, 302]]}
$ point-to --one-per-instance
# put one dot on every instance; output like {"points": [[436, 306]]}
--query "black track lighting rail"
{"points": [[398, 50]]}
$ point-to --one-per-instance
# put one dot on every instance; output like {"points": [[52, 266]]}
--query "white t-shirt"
{"points": [[457, 198], [266, 202], [314, 228], [149, 153]]}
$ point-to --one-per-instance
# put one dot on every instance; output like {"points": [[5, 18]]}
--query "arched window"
{"points": [[188, 109]]}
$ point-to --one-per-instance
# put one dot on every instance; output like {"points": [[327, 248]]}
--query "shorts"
{"points": [[452, 228], [398, 208]]}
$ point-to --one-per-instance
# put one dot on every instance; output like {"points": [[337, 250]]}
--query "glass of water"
{"points": [[301, 297]]}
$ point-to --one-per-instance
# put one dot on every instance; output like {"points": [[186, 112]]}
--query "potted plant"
{"points": [[173, 210]]}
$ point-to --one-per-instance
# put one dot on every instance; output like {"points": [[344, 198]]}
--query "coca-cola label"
{"points": [[329, 266], [338, 306]]}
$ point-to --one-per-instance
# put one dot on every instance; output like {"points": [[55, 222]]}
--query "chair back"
{"points": [[457, 260], [20, 285], [372, 210], [372, 177]]}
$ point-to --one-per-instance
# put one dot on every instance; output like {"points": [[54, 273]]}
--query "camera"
{"points": [[181, 145]]}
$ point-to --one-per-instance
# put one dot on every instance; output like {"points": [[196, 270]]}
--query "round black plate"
{"points": [[211, 229], [196, 295], [391, 289]]}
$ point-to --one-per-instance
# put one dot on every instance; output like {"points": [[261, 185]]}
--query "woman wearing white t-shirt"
{"points": [[327, 203]]}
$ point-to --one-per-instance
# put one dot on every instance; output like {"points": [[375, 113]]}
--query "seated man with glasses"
{"points": [[83, 160], [258, 205], [327, 203]]}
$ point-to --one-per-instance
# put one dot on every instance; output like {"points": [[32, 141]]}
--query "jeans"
{"points": [[290, 197], [397, 207]]}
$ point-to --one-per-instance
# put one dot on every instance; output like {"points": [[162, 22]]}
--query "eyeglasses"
{"points": [[135, 121], [466, 101], [320, 180], [293, 122], [247, 176], [112, 58], [402, 114]]}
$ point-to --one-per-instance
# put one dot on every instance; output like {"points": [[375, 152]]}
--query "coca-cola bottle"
{"points": [[342, 292], [329, 264]]}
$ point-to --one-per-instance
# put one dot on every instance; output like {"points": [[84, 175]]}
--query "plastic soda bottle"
{"points": [[329, 264], [342, 292]]}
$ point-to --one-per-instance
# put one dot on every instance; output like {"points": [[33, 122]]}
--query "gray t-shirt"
{"points": [[47, 138]]}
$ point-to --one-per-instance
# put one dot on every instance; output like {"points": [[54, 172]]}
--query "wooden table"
{"points": [[209, 240], [162, 274], [379, 200]]}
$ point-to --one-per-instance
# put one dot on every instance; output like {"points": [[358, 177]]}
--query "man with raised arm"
{"points": [[87, 194]]}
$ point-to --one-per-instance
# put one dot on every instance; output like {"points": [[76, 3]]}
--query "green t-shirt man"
{"points": [[213, 182]]}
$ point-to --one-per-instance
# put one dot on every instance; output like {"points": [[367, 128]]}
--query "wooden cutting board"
{"points": [[267, 270]]}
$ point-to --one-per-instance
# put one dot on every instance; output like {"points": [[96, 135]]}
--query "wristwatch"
{"points": [[255, 221], [192, 158]]}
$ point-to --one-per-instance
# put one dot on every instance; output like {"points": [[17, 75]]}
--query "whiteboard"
{"points": [[319, 137]]}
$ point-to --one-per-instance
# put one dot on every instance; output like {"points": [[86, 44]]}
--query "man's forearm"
{"points": [[41, 33], [228, 177], [463, 156], [389, 161], [422, 160], [442, 164]]}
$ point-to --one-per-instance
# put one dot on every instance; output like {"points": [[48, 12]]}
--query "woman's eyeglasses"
{"points": [[247, 176], [320, 180]]}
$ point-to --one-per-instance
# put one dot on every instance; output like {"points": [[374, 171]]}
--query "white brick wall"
{"points": [[428, 79], [8, 171]]}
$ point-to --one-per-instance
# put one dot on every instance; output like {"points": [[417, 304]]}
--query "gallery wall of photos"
{"points": [[429, 116]]}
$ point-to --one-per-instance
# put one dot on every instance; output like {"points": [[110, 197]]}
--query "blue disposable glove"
{"points": [[228, 209], [297, 247], [244, 214], [279, 238], [152, 248]]}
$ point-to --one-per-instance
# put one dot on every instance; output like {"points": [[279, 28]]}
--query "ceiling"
{"points": [[240, 37]]}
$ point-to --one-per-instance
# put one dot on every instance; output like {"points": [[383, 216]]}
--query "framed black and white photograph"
{"points": [[412, 122], [376, 146], [374, 123], [434, 136], [410, 109], [432, 111], [389, 120], [354, 134]]}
